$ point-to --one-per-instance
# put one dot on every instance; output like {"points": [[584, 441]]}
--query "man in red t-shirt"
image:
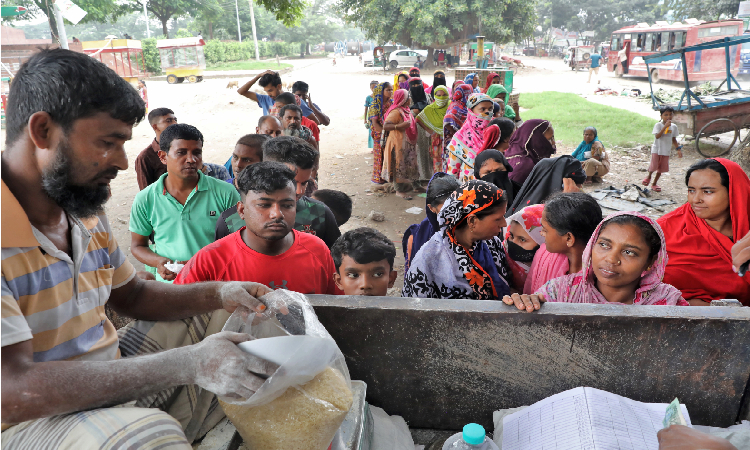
{"points": [[267, 249]]}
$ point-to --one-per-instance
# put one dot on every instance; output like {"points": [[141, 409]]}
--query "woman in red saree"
{"points": [[700, 233]]}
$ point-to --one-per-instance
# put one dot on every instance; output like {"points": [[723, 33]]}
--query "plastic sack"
{"points": [[302, 405]]}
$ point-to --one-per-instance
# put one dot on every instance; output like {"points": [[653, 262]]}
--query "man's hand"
{"points": [[222, 368], [530, 303], [741, 252], [165, 273], [680, 437], [235, 293]]}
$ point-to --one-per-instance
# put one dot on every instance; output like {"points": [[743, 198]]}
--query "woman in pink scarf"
{"points": [[569, 219], [467, 142], [623, 263], [400, 151]]}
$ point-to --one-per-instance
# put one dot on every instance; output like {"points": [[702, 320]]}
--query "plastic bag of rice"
{"points": [[303, 418], [302, 405]]}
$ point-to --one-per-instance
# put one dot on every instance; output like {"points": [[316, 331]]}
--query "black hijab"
{"points": [[418, 97], [545, 179], [499, 179], [438, 79]]}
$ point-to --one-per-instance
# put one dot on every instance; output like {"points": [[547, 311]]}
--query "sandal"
{"points": [[404, 195], [656, 188], [646, 181], [588, 183]]}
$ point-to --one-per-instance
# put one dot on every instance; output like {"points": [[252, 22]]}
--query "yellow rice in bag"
{"points": [[303, 418]]}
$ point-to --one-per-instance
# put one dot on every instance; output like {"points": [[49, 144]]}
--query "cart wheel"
{"points": [[171, 79], [655, 76], [713, 151], [192, 79], [200, 79], [180, 79]]}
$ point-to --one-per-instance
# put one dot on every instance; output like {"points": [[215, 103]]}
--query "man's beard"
{"points": [[292, 132], [78, 201]]}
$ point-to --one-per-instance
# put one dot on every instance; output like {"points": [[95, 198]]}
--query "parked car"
{"points": [[367, 58], [405, 58], [529, 51]]}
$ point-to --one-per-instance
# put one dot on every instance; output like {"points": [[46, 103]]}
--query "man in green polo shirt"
{"points": [[181, 207]]}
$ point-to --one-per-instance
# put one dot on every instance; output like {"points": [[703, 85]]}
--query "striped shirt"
{"points": [[54, 300]]}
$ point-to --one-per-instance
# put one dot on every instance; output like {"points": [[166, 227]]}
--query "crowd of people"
{"points": [[504, 221]]}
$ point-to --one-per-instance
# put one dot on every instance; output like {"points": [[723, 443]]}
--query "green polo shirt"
{"points": [[181, 230]]}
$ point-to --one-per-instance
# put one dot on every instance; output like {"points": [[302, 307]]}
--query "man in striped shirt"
{"points": [[68, 118]]}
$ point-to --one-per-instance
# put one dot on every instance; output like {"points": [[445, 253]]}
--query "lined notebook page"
{"points": [[559, 422], [620, 423]]}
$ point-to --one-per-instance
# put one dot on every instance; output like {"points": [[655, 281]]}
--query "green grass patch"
{"points": [[248, 65], [570, 114]]}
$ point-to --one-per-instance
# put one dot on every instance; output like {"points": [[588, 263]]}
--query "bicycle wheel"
{"points": [[713, 151]]}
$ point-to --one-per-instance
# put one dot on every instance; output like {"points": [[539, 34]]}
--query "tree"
{"points": [[600, 16], [699, 9], [439, 23], [97, 11]]}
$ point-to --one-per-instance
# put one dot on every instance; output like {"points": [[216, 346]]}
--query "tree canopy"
{"points": [[440, 23], [97, 11], [600, 16]]}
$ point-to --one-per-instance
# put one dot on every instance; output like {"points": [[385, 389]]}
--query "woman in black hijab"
{"points": [[438, 79], [545, 179], [418, 97], [492, 167]]}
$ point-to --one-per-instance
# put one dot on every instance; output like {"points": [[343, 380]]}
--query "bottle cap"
{"points": [[473, 434]]}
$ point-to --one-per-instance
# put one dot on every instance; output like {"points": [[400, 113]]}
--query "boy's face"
{"points": [[373, 279], [666, 115], [372, 86]]}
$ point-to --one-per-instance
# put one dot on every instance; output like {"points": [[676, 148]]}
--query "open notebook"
{"points": [[586, 418]]}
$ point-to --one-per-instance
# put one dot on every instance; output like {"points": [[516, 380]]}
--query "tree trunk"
{"points": [[430, 62], [742, 158], [210, 30], [164, 27]]}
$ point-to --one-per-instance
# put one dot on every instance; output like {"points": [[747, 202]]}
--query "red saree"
{"points": [[700, 258]]}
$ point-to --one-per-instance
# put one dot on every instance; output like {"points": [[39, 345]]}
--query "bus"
{"points": [[644, 39]]}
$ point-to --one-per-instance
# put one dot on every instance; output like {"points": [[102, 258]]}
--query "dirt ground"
{"points": [[346, 162]]}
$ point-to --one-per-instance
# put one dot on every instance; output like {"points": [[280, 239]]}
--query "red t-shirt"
{"points": [[307, 266], [313, 127]]}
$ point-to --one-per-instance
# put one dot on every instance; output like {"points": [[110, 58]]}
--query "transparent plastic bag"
{"points": [[302, 405]]}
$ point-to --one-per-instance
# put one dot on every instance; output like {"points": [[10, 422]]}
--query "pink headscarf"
{"points": [[581, 287], [401, 104]]}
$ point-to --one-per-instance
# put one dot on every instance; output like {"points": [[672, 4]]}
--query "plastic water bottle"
{"points": [[472, 438]]}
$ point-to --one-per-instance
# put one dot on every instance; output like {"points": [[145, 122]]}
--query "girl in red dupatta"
{"points": [[700, 257], [490, 78]]}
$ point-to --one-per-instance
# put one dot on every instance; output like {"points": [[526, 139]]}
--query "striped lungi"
{"points": [[169, 419]]}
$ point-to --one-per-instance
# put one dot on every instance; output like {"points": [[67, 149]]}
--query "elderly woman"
{"points": [[465, 259], [591, 153], [467, 142], [532, 142], [700, 234]]}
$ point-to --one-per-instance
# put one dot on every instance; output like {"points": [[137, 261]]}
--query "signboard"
{"points": [[8, 11], [744, 9], [70, 11]]}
